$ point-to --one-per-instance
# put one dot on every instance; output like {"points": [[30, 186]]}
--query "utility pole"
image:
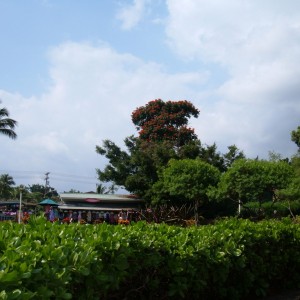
{"points": [[20, 205], [47, 185]]}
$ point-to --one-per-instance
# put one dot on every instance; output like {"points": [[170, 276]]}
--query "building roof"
{"points": [[98, 198], [99, 202], [94, 208]]}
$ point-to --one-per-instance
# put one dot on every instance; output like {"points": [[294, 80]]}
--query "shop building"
{"points": [[92, 206]]}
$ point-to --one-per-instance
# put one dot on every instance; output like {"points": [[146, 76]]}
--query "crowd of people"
{"points": [[90, 216]]}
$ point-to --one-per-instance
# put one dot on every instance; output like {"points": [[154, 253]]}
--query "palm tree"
{"points": [[101, 189], [6, 182], [7, 125]]}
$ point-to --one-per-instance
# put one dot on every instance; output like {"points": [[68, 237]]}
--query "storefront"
{"points": [[92, 207]]}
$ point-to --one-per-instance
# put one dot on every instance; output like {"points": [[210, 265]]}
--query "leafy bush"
{"points": [[271, 209], [228, 260]]}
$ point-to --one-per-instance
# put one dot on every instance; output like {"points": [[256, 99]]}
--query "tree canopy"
{"points": [[6, 186], [137, 167], [254, 180], [161, 121], [188, 179], [163, 135], [7, 125], [295, 136]]}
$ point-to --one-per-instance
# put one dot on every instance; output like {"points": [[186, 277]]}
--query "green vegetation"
{"points": [[229, 260], [163, 135], [271, 209], [6, 186], [295, 136], [148, 166], [32, 193], [7, 125], [186, 181], [169, 167], [253, 180], [166, 164]]}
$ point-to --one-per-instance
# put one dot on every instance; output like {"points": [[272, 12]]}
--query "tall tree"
{"points": [[102, 189], [136, 168], [188, 180], [295, 136], [35, 192], [254, 180], [161, 121], [292, 191], [7, 125], [233, 154], [6, 186], [163, 135], [211, 155]]}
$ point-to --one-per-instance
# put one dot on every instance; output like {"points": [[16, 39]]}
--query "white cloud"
{"points": [[131, 15], [257, 44], [95, 88], [93, 93]]}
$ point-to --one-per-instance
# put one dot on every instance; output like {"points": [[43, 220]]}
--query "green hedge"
{"points": [[229, 260], [271, 209]]}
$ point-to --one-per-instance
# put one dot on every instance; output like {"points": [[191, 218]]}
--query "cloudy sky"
{"points": [[73, 71]]}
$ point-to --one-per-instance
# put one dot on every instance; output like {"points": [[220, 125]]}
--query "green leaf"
{"points": [[121, 262], [9, 277]]}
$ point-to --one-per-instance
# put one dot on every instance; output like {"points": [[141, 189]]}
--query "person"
{"points": [[112, 218], [51, 214], [101, 216], [122, 215], [70, 216], [106, 217], [116, 216], [89, 216], [75, 216], [47, 212]]}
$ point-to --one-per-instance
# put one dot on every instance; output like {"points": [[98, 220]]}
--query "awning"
{"points": [[68, 207]]}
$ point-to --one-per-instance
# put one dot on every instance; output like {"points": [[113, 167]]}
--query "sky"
{"points": [[72, 72]]}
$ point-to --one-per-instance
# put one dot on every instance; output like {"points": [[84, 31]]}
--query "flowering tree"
{"points": [[163, 135], [161, 121]]}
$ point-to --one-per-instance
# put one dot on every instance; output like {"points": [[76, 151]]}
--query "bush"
{"points": [[228, 260], [271, 209]]}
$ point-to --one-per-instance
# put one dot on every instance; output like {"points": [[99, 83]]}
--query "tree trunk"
{"points": [[196, 211]]}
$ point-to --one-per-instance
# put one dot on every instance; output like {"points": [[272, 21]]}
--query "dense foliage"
{"points": [[271, 209], [6, 186], [229, 260], [32, 193], [186, 181], [295, 136], [292, 191], [161, 121], [253, 180], [7, 125], [163, 136], [137, 168]]}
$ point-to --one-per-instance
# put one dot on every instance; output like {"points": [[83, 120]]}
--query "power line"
{"points": [[56, 176], [72, 175], [72, 180]]}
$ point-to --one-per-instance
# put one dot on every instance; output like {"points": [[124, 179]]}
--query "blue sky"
{"points": [[31, 28], [73, 71]]}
